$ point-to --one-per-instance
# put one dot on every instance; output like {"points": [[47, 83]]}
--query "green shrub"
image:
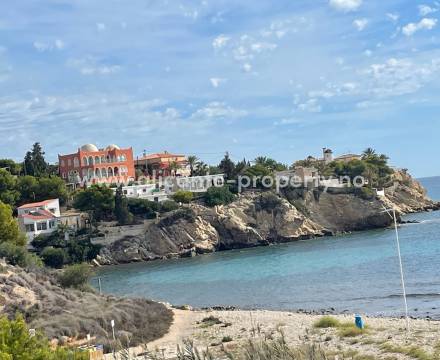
{"points": [[167, 206], [182, 196], [18, 344], [218, 196], [326, 322], [53, 257], [144, 208], [18, 255], [76, 276], [226, 339]]}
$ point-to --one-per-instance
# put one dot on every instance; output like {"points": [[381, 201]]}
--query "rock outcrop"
{"points": [[263, 218]]}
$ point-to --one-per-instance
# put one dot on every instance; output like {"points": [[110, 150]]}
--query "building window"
{"points": [[30, 228], [62, 163], [42, 226], [51, 224], [90, 160], [97, 160], [75, 162], [69, 162], [85, 161]]}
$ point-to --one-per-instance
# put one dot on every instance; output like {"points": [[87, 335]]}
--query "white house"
{"points": [[39, 218], [163, 189]]}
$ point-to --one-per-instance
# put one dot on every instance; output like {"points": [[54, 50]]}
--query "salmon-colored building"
{"points": [[161, 164], [94, 166]]}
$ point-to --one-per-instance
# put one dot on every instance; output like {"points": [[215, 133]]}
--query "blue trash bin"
{"points": [[358, 321]]}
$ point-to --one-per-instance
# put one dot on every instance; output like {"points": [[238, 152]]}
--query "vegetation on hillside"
{"points": [[17, 343]]}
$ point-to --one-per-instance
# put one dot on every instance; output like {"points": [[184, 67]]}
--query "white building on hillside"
{"points": [[162, 190], [39, 218]]}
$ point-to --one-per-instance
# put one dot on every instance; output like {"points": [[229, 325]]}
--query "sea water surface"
{"points": [[357, 272]]}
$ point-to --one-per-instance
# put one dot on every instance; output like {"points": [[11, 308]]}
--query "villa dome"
{"points": [[89, 147], [112, 147]]}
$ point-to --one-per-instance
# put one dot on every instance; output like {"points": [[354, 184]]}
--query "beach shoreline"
{"points": [[219, 330]]}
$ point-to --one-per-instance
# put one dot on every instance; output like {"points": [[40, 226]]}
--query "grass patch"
{"points": [[348, 329], [327, 322], [226, 339], [210, 321], [413, 351]]}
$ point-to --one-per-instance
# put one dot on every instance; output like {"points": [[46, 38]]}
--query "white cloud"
{"points": [[360, 24], [393, 17], [286, 121], [49, 46], [59, 44], [216, 109], [263, 46], [216, 82], [310, 105], [247, 67], [100, 26], [220, 41], [92, 66], [424, 24], [368, 53], [399, 76], [426, 10], [345, 5]]}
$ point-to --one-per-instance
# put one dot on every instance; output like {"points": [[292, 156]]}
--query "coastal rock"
{"points": [[263, 218]]}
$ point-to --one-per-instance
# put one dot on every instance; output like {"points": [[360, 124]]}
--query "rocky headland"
{"points": [[258, 218]]}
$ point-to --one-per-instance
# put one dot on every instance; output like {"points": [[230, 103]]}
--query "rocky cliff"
{"points": [[263, 218]]}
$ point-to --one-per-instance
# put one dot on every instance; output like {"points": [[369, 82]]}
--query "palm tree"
{"points": [[260, 160], [174, 166], [201, 169], [368, 152], [192, 161]]}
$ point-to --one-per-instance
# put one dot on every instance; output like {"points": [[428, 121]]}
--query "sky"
{"points": [[278, 78]]}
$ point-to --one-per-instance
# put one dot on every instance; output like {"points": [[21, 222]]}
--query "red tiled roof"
{"points": [[160, 155], [39, 215], [36, 204]]}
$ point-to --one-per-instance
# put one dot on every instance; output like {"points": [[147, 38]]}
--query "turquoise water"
{"points": [[432, 184], [357, 272]]}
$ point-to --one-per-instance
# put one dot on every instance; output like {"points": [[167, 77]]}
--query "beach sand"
{"points": [[385, 338]]}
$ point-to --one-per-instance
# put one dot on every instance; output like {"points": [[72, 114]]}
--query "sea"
{"points": [[355, 273]]}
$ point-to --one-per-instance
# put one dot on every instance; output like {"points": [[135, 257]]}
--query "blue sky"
{"points": [[279, 78]]}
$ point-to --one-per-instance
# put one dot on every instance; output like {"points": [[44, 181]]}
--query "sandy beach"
{"points": [[384, 338]]}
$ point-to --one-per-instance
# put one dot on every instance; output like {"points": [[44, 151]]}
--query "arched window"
{"points": [[110, 172], [116, 171], [97, 173], [103, 172], [90, 174], [62, 163], [97, 160], [109, 159], [75, 162], [69, 162], [90, 160], [102, 159], [85, 161], [84, 172]]}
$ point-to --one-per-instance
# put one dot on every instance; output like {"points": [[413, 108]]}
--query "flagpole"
{"points": [[402, 279]]}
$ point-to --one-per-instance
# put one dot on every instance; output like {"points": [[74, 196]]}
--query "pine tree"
{"points": [[227, 166], [34, 162]]}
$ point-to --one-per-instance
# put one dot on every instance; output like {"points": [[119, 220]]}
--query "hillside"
{"points": [[263, 218], [64, 314]]}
